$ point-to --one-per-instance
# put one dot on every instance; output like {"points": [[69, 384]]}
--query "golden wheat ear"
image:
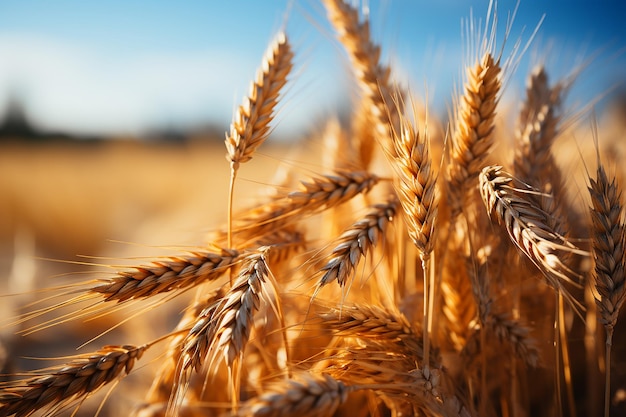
{"points": [[59, 387], [416, 186], [608, 240], [306, 395], [141, 283], [528, 228], [250, 127], [312, 197], [356, 242], [373, 79]]}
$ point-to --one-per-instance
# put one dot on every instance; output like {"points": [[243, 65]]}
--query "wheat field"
{"points": [[399, 264]]}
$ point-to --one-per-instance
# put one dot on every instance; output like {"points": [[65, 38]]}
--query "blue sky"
{"points": [[123, 67]]}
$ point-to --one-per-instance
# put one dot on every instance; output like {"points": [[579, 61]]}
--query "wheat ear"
{"points": [[418, 196], [472, 137], [373, 78], [356, 242], [608, 245], [312, 197], [509, 332], [58, 387], [416, 186], [306, 395], [165, 378], [537, 130], [528, 228], [250, 126], [376, 323], [234, 317], [176, 273]]}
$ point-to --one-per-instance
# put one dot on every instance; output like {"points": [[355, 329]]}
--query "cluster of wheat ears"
{"points": [[418, 277]]}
